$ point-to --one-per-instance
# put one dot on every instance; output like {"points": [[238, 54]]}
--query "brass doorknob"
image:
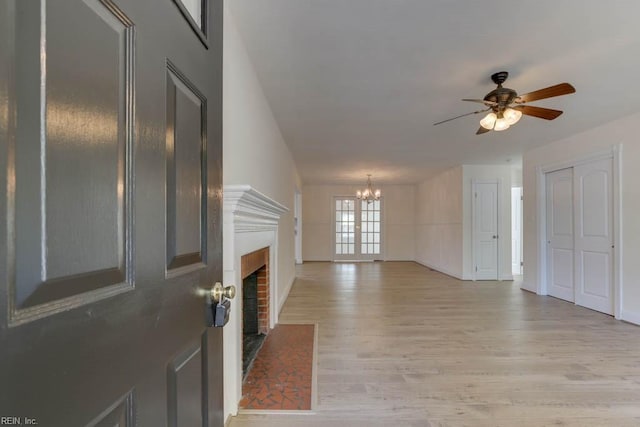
{"points": [[220, 291]]}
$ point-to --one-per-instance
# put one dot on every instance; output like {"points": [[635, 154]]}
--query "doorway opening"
{"points": [[516, 231]]}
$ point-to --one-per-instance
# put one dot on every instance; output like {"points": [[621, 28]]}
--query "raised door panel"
{"points": [[186, 396], [120, 414], [487, 208], [594, 210], [596, 275], [562, 207], [486, 257], [561, 266], [71, 167], [186, 172]]}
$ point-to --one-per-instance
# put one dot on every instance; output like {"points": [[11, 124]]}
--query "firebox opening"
{"points": [[252, 337]]}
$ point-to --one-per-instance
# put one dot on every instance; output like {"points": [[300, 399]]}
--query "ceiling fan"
{"points": [[507, 107]]}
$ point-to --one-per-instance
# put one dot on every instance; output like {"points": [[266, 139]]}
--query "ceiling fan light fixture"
{"points": [[489, 121], [501, 124], [512, 116]]}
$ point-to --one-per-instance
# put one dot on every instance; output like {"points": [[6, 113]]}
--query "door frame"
{"points": [[614, 153], [519, 220], [297, 218], [474, 183]]}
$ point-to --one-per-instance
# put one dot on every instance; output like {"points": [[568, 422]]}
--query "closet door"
{"points": [[593, 235], [559, 194]]}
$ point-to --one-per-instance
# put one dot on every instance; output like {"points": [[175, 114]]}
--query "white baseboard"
{"points": [[285, 294], [630, 316], [441, 270], [506, 277], [526, 286]]}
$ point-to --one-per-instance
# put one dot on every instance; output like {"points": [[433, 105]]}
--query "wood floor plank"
{"points": [[402, 345]]}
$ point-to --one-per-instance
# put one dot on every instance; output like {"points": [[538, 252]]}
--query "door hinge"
{"points": [[521, 197], [476, 268], [521, 263]]}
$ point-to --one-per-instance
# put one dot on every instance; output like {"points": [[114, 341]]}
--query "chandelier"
{"points": [[368, 193]]}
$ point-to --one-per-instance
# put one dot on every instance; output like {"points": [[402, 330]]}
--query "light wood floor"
{"points": [[400, 345]]}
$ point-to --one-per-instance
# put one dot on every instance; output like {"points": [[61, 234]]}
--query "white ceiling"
{"points": [[356, 85]]}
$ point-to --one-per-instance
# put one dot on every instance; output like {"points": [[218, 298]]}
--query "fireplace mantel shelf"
{"points": [[252, 210]]}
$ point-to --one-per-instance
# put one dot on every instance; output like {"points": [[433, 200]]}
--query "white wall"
{"points": [[487, 173], [623, 131], [439, 222], [254, 151], [516, 176], [397, 220], [255, 154]]}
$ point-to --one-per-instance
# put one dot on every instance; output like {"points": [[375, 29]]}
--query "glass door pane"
{"points": [[345, 227], [370, 227]]}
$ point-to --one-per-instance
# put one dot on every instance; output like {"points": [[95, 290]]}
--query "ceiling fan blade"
{"points": [[462, 115], [481, 101], [482, 130], [548, 92], [542, 113]]}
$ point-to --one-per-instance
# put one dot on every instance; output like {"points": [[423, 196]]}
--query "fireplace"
{"points": [[250, 226], [255, 304]]}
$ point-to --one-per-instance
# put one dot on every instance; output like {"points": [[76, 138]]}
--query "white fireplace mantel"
{"points": [[250, 222], [252, 210]]}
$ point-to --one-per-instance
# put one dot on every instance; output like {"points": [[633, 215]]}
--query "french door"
{"points": [[358, 229]]}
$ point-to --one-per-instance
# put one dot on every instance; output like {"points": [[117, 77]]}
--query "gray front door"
{"points": [[110, 225]]}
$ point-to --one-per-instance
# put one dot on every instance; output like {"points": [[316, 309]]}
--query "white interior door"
{"points": [[485, 226], [593, 235], [560, 267]]}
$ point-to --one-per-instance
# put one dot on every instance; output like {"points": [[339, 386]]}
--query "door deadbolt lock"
{"points": [[219, 304], [219, 291]]}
